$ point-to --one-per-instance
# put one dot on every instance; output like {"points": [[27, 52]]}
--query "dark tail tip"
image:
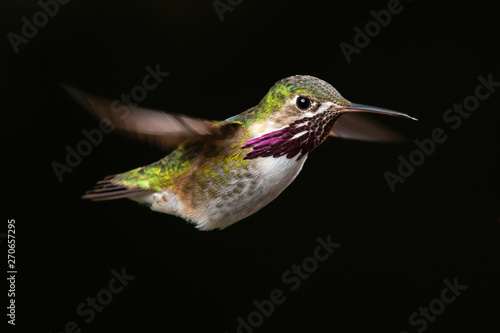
{"points": [[107, 190]]}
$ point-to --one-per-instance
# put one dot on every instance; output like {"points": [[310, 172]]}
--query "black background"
{"points": [[396, 248]]}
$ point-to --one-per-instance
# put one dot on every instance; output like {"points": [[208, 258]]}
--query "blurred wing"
{"points": [[359, 126], [166, 130]]}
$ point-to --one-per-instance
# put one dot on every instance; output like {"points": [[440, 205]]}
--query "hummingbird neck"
{"points": [[298, 138]]}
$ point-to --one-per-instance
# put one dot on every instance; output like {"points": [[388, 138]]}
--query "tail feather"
{"points": [[107, 190]]}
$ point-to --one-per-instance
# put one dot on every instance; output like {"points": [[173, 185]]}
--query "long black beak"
{"points": [[355, 107]]}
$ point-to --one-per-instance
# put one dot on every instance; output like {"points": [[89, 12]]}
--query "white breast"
{"points": [[277, 173], [272, 177]]}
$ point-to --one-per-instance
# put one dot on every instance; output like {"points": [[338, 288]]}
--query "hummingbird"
{"points": [[220, 172]]}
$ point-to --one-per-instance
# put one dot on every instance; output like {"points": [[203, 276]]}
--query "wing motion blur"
{"points": [[358, 126], [357, 123], [166, 130]]}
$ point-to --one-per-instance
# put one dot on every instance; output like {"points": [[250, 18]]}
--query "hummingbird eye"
{"points": [[303, 103]]}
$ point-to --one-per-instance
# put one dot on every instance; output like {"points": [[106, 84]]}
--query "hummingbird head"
{"points": [[298, 114]]}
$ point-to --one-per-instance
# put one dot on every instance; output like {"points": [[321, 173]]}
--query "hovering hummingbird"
{"points": [[221, 172]]}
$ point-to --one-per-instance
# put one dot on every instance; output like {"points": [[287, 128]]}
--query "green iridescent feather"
{"points": [[218, 162]]}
